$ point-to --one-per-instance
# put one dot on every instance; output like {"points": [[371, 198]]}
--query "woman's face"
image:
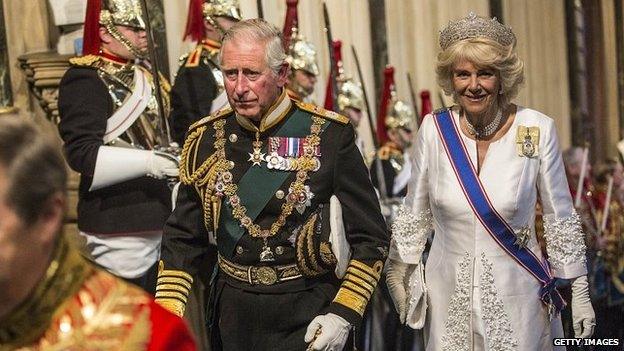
{"points": [[476, 88]]}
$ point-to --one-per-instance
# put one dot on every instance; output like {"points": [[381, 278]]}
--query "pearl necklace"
{"points": [[489, 129]]}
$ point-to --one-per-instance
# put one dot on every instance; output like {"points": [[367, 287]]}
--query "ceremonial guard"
{"points": [[350, 97], [394, 131], [269, 179], [301, 57], [198, 87], [112, 130], [52, 298]]}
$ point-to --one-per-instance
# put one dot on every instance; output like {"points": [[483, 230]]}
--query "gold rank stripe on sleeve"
{"points": [[172, 289], [358, 285], [317, 110]]}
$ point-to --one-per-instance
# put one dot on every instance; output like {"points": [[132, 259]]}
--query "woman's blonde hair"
{"points": [[483, 53]]}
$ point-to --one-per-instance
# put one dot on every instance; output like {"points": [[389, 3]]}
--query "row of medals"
{"points": [[277, 162]]}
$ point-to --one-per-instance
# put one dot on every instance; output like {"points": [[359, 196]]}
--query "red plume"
{"points": [[291, 21], [426, 106], [91, 39], [329, 103], [195, 22], [388, 86]]}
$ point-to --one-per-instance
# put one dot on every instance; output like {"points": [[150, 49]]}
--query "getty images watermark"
{"points": [[585, 342]]}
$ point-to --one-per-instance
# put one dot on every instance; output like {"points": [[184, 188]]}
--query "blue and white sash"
{"points": [[492, 221]]}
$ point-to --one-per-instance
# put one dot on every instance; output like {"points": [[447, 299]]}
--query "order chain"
{"points": [[227, 187]]}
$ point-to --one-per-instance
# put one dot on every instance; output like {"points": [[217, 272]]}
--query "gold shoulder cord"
{"points": [[358, 285]]}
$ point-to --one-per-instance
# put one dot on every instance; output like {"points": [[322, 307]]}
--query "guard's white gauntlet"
{"points": [[333, 332], [118, 164], [583, 316], [396, 278]]}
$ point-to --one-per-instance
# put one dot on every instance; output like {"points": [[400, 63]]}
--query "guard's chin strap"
{"points": [[115, 33]]}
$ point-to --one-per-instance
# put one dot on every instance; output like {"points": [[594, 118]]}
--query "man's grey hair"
{"points": [[33, 166], [260, 31]]}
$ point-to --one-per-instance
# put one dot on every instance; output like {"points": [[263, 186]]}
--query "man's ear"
{"points": [[105, 36], [51, 217], [283, 73]]}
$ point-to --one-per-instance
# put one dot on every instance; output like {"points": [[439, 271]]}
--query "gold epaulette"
{"points": [[194, 57], [358, 285], [84, 61], [172, 289], [317, 110], [213, 117]]}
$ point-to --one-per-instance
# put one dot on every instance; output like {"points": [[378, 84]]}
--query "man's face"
{"points": [[215, 34], [15, 238], [251, 86], [25, 247], [136, 36], [401, 136], [354, 115], [305, 80]]}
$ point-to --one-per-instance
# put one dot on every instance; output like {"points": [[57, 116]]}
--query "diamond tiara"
{"points": [[475, 26]]}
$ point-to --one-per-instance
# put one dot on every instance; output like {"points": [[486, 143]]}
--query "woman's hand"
{"points": [[583, 316], [396, 278]]}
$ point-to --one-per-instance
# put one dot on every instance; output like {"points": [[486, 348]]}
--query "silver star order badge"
{"points": [[522, 237], [256, 157]]}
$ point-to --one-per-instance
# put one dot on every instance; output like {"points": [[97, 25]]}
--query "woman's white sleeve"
{"points": [[565, 241], [413, 222]]}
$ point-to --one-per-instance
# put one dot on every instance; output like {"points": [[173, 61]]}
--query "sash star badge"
{"points": [[523, 235]]}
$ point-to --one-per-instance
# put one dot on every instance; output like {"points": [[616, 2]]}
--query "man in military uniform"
{"points": [[261, 177], [52, 298], [303, 68], [350, 96], [198, 87], [111, 129], [398, 120]]}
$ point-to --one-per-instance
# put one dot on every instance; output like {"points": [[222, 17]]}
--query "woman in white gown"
{"points": [[488, 285]]}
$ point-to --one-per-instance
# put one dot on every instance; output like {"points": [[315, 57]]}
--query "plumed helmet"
{"points": [[122, 13], [222, 8], [350, 94], [400, 114], [302, 55]]}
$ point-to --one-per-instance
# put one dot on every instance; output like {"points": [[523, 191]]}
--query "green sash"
{"points": [[258, 185]]}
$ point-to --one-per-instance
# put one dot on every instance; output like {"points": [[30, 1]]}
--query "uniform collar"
{"points": [[274, 115], [211, 44], [64, 276], [108, 56], [293, 94]]}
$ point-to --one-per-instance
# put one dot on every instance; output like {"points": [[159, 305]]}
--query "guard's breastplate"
{"points": [[144, 132]]}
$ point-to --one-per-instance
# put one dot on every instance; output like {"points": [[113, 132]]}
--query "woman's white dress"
{"points": [[479, 298]]}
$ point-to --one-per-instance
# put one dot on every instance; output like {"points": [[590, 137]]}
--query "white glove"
{"points": [[118, 164], [396, 278], [583, 317], [161, 165], [334, 331]]}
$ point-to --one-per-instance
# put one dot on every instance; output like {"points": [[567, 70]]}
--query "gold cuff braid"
{"points": [[172, 289], [358, 285]]}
